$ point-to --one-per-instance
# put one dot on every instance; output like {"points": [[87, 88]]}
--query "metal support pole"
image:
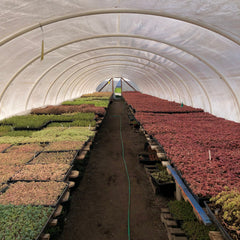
{"points": [[112, 86], [121, 85], [129, 85], [105, 85]]}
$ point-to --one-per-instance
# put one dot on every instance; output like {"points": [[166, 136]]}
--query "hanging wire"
{"points": [[42, 48]]}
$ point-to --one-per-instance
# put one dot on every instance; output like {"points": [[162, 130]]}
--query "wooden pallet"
{"points": [[215, 235], [173, 230]]}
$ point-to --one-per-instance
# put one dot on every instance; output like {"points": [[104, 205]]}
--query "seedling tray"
{"points": [[38, 128], [3, 151], [173, 112], [45, 205], [163, 186], [39, 180], [216, 221], [71, 163], [45, 225]]}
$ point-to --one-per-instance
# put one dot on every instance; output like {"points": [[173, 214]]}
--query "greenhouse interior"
{"points": [[119, 120]]}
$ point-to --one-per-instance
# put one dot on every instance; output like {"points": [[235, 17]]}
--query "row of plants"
{"points": [[37, 121], [76, 123], [226, 207], [97, 102], [26, 148], [190, 137], [16, 156], [206, 159], [22, 222], [182, 212], [13, 159], [55, 157], [51, 134], [205, 151], [90, 98], [63, 109], [35, 164], [46, 166], [33, 193], [42, 172], [98, 94], [146, 103], [64, 146], [161, 176]]}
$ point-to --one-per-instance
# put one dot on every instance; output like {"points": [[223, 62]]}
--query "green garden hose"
{"points": [[129, 183]]}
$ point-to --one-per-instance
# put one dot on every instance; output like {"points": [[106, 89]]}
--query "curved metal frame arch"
{"points": [[112, 55], [137, 37], [117, 11], [123, 55], [75, 80], [138, 49], [96, 37], [85, 81]]}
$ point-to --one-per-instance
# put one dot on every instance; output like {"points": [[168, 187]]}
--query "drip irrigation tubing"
{"points": [[128, 178]]}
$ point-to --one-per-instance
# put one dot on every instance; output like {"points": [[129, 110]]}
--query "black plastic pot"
{"points": [[144, 159], [166, 188]]}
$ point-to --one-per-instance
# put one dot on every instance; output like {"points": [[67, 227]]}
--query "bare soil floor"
{"points": [[99, 206]]}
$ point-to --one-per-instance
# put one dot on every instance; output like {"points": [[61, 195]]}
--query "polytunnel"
{"points": [[119, 119], [183, 51]]}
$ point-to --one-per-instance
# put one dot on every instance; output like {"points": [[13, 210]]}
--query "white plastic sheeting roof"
{"points": [[186, 51]]}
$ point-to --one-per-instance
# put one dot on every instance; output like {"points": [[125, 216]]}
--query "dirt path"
{"points": [[99, 207]]}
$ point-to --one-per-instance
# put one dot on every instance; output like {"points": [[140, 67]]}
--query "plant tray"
{"points": [[10, 149], [163, 185], [39, 128], [216, 221], [6, 147], [37, 234], [45, 152], [144, 159], [3, 187], [39, 180], [45, 205], [45, 225], [173, 112]]}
